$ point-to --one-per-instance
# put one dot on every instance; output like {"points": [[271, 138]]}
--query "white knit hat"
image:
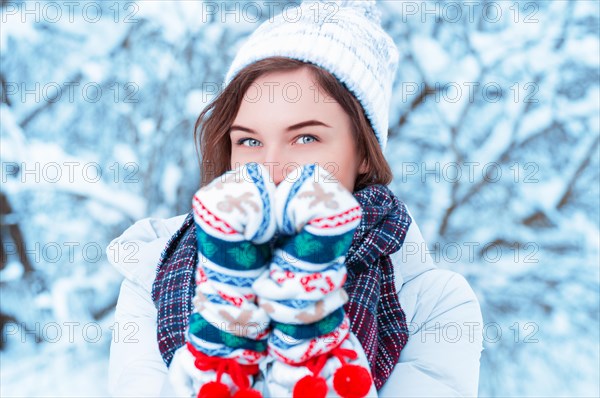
{"points": [[341, 36]]}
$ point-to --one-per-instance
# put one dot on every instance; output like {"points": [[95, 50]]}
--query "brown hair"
{"points": [[217, 118]]}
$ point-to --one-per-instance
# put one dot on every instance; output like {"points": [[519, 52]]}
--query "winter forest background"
{"points": [[494, 143]]}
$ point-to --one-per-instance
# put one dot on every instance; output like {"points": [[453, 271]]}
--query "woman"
{"points": [[313, 90]]}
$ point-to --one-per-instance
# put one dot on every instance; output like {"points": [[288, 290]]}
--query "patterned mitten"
{"points": [[314, 353], [227, 333]]}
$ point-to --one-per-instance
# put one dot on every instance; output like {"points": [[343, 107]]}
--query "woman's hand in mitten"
{"points": [[227, 333], [304, 294], [235, 222]]}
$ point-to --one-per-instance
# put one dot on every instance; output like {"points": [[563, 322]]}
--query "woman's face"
{"points": [[285, 120]]}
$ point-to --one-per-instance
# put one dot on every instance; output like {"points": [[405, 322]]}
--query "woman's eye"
{"points": [[251, 140], [311, 139]]}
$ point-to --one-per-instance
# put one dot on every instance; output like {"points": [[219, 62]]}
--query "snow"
{"points": [[165, 65], [12, 271], [14, 28], [535, 121], [58, 171], [196, 101], [95, 71], [50, 372], [584, 9], [146, 127], [552, 191], [584, 107], [430, 56], [137, 75], [495, 145], [13, 139], [486, 45], [460, 77], [104, 214], [584, 50], [188, 14], [124, 153], [171, 180]]}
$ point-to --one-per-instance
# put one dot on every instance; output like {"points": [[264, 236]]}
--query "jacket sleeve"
{"points": [[442, 355], [136, 367]]}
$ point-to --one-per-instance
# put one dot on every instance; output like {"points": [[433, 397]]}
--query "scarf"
{"points": [[376, 316]]}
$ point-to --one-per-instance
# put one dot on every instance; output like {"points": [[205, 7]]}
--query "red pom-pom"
{"points": [[214, 389], [352, 381], [310, 387], [247, 393]]}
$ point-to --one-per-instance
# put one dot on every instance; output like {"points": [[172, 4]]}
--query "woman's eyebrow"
{"points": [[296, 126], [305, 124]]}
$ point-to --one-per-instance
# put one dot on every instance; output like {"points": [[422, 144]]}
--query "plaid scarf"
{"points": [[377, 319]]}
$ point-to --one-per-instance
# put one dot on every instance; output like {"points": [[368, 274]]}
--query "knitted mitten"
{"points": [[227, 332], [313, 350]]}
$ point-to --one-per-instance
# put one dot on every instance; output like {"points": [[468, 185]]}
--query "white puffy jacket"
{"points": [[441, 358]]}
